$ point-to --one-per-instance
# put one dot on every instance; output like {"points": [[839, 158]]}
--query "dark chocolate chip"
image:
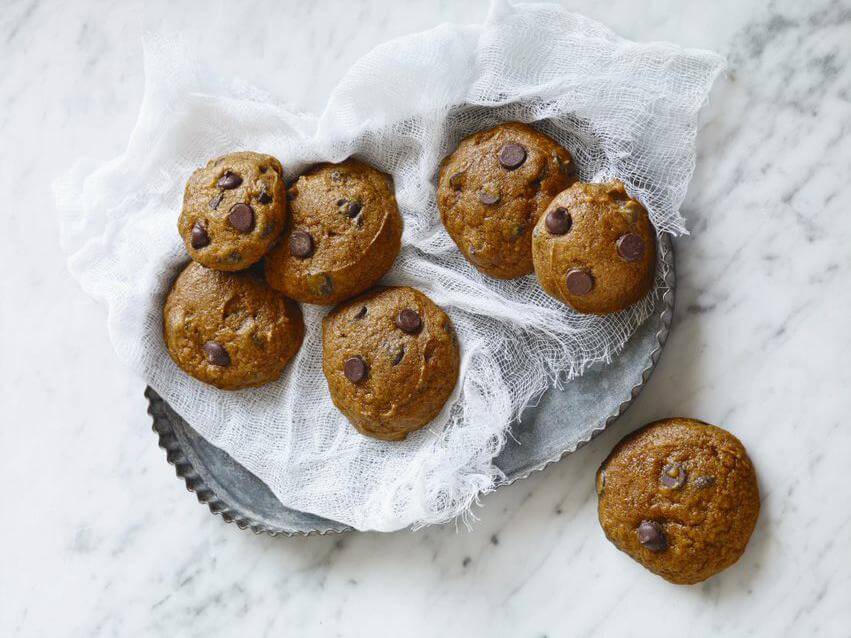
{"points": [[488, 198], [408, 321], [199, 237], [301, 244], [360, 314], [354, 209], [702, 482], [216, 354], [630, 247], [673, 476], [456, 181], [400, 354], [579, 282], [558, 221], [355, 369], [265, 197], [342, 202], [512, 156], [229, 181], [241, 217], [651, 535], [217, 199]]}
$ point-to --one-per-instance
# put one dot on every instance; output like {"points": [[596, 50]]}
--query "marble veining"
{"points": [[100, 539]]}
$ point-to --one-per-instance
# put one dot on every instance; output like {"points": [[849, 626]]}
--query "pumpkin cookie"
{"points": [[391, 360], [493, 188], [595, 249], [345, 233], [679, 496], [230, 330], [233, 210]]}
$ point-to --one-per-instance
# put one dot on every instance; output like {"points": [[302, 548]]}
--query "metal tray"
{"points": [[564, 420]]}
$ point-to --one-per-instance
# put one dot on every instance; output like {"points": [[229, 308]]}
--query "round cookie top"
{"points": [[344, 235], [493, 188], [230, 329], [391, 359], [594, 248], [680, 497], [233, 210]]}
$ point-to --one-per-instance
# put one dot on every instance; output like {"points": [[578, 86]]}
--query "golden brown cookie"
{"points": [[230, 330], [679, 496], [233, 210], [345, 233], [493, 188], [594, 248], [391, 359]]}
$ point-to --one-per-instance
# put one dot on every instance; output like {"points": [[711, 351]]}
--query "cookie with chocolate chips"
{"points": [[391, 359], [594, 248], [493, 188], [680, 497], [233, 210], [345, 233], [230, 329]]}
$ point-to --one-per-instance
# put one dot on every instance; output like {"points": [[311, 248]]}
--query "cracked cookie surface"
{"points": [[391, 359], [493, 188], [233, 210], [230, 329], [680, 497]]}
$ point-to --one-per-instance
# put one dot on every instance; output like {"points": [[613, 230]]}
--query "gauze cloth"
{"points": [[624, 110]]}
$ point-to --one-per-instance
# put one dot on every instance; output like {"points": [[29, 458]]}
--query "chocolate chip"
{"points": [[456, 181], [217, 199], [702, 482], [216, 354], [558, 221], [354, 209], [400, 354], [265, 197], [408, 321], [355, 369], [199, 238], [512, 156], [301, 244], [579, 282], [241, 217], [673, 476], [630, 247], [360, 314], [651, 535], [229, 181], [342, 202], [488, 198]]}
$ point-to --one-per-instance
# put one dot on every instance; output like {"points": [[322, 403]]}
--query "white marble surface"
{"points": [[100, 539]]}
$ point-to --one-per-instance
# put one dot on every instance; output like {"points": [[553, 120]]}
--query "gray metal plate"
{"points": [[565, 419]]}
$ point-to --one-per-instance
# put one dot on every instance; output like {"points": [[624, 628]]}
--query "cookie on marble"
{"points": [[230, 329], [391, 359], [344, 234], [680, 497], [233, 210], [493, 188], [594, 248]]}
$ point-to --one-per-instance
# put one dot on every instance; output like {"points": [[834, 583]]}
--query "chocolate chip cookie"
{"points": [[679, 496], [391, 359], [493, 188], [230, 329], [345, 233], [594, 248], [233, 210]]}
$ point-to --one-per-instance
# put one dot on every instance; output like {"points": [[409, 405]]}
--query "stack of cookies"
{"points": [[391, 356]]}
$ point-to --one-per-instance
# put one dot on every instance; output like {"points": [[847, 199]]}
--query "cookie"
{"points": [[493, 188], [391, 359], [594, 248], [680, 497], [233, 210], [230, 329], [345, 233]]}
